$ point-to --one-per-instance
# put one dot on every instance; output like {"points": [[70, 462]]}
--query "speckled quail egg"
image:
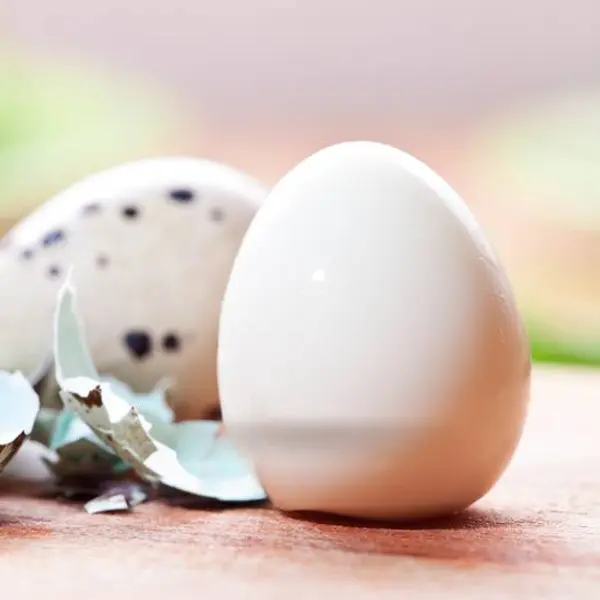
{"points": [[150, 246]]}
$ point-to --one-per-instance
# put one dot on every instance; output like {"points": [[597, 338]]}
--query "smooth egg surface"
{"points": [[371, 360]]}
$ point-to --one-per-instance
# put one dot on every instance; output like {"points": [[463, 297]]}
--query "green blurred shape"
{"points": [[554, 349], [60, 121], [545, 155]]}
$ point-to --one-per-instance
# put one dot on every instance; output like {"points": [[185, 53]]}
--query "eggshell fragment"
{"points": [[150, 245], [19, 406], [371, 359]]}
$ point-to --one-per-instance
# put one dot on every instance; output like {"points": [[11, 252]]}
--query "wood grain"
{"points": [[536, 535]]}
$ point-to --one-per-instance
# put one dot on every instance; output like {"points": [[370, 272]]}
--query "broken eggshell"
{"points": [[151, 245], [119, 497], [19, 406], [372, 362], [79, 452], [198, 461]]}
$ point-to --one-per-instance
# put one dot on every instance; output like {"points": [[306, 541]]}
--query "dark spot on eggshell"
{"points": [[131, 212], [92, 208], [171, 342], [54, 271], [53, 237], [27, 254], [217, 214], [8, 451], [182, 195], [102, 261], [139, 343], [93, 399]]}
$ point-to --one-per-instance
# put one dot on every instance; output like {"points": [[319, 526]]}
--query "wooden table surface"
{"points": [[536, 535]]}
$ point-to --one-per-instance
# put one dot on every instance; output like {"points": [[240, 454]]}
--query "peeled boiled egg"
{"points": [[371, 360]]}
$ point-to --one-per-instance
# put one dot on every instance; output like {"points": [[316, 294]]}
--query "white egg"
{"points": [[151, 244], [371, 360]]}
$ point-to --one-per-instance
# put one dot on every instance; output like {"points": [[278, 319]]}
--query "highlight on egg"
{"points": [[371, 360], [150, 245]]}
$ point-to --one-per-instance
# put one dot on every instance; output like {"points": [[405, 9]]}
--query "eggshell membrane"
{"points": [[397, 391], [166, 271]]}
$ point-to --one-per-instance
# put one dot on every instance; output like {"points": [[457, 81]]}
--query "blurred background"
{"points": [[502, 98]]}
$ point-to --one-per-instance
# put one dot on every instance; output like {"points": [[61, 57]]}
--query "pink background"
{"points": [[296, 60]]}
